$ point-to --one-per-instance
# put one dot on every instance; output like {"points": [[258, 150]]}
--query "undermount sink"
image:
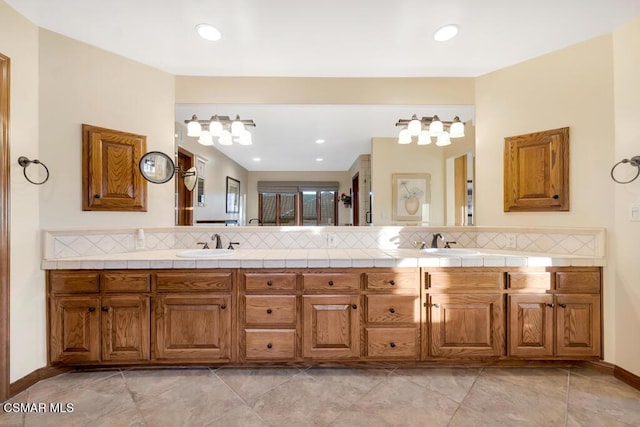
{"points": [[205, 253], [451, 251]]}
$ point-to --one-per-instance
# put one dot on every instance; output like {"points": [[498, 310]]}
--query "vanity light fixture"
{"points": [[426, 128], [224, 128]]}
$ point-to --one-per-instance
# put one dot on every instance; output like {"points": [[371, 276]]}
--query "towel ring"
{"points": [[24, 162], [634, 161]]}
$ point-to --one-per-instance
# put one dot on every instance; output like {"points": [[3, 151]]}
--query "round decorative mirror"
{"points": [[156, 167]]}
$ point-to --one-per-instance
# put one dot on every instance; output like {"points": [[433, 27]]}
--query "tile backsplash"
{"points": [[562, 241]]}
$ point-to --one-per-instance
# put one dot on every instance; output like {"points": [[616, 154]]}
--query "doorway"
{"points": [[355, 198], [184, 204], [4, 228]]}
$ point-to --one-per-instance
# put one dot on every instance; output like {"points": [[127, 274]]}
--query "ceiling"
{"points": [[329, 38]]}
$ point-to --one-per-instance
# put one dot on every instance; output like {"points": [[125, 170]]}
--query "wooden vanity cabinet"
{"points": [[465, 312], [555, 313], [89, 324]]}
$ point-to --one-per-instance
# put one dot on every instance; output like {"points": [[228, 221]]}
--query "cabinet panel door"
{"points": [[270, 344], [125, 328], [331, 326], [531, 325], [193, 326], [270, 309], [393, 343], [75, 329], [467, 325], [578, 325]]}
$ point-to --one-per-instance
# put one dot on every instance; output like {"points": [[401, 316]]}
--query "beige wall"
{"points": [[19, 41], [217, 168], [625, 236], [254, 176], [571, 87], [82, 84]]}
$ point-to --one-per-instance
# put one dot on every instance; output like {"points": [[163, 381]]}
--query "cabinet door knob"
{"points": [[223, 306], [269, 283], [392, 344], [563, 305], [556, 197], [330, 282], [549, 305], [392, 282], [96, 196], [435, 305], [92, 309], [354, 306], [392, 310], [269, 345], [268, 311], [105, 308]]}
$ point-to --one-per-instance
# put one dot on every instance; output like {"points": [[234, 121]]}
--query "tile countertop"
{"points": [[319, 258]]}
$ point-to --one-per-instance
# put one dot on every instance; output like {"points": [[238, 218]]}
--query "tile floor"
{"points": [[333, 397]]}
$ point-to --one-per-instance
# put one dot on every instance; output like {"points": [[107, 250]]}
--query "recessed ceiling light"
{"points": [[319, 141], [319, 159], [208, 32], [445, 33], [256, 159]]}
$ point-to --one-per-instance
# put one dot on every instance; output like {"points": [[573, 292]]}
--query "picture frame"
{"points": [[233, 195], [410, 196]]}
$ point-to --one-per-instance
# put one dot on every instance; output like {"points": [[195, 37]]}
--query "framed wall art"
{"points": [[233, 195], [410, 193]]}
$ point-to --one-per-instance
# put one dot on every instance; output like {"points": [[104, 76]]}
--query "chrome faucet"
{"points": [[434, 241], [218, 240]]}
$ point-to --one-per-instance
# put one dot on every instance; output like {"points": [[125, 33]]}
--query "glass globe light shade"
{"points": [[414, 127], [443, 139], [436, 127], [424, 138], [193, 127], [457, 128], [404, 137], [237, 127], [215, 127], [205, 138], [245, 138], [225, 138]]}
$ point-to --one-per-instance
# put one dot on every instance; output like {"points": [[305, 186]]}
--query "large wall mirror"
{"points": [[354, 145]]}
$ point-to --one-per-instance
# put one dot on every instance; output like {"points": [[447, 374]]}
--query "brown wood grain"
{"points": [[74, 281], [331, 326], [5, 226], [390, 309], [578, 325], [406, 281], [125, 324], [75, 329], [531, 325], [125, 282], [194, 280], [268, 344], [393, 343], [269, 281], [270, 309], [331, 281], [466, 280]]}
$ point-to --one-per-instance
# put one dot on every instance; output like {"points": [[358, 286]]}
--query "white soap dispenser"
{"points": [[140, 244]]}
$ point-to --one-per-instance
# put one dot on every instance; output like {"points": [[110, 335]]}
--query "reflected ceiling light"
{"points": [[208, 32], [429, 127], [445, 33], [319, 159], [256, 159], [222, 127], [319, 141]]}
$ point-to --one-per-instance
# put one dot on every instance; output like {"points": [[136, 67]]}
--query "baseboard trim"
{"points": [[623, 375], [38, 375]]}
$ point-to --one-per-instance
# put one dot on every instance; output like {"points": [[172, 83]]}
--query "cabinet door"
{"points": [[125, 328], [467, 325], [331, 326], [536, 171], [110, 176], [75, 333], [530, 325], [578, 325], [193, 327]]}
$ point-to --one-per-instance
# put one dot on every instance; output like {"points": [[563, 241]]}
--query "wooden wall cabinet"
{"points": [[111, 180], [536, 171]]}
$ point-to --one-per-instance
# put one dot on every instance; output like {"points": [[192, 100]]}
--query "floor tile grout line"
{"points": [[566, 399], [466, 395], [126, 385]]}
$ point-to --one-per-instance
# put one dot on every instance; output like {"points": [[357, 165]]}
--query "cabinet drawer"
{"points": [[523, 280], [74, 281], [270, 344], [465, 280], [578, 281], [270, 310], [188, 281], [393, 309], [392, 342], [331, 281], [392, 281], [126, 282], [269, 281]]}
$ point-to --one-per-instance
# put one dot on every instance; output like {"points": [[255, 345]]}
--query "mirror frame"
{"points": [[171, 169]]}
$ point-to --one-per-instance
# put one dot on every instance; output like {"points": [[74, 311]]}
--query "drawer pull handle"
{"points": [[223, 306], [435, 305], [556, 197], [92, 309], [269, 345], [105, 309], [392, 282], [269, 283], [268, 311], [563, 305], [549, 305], [354, 306], [392, 344], [330, 282], [392, 310]]}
